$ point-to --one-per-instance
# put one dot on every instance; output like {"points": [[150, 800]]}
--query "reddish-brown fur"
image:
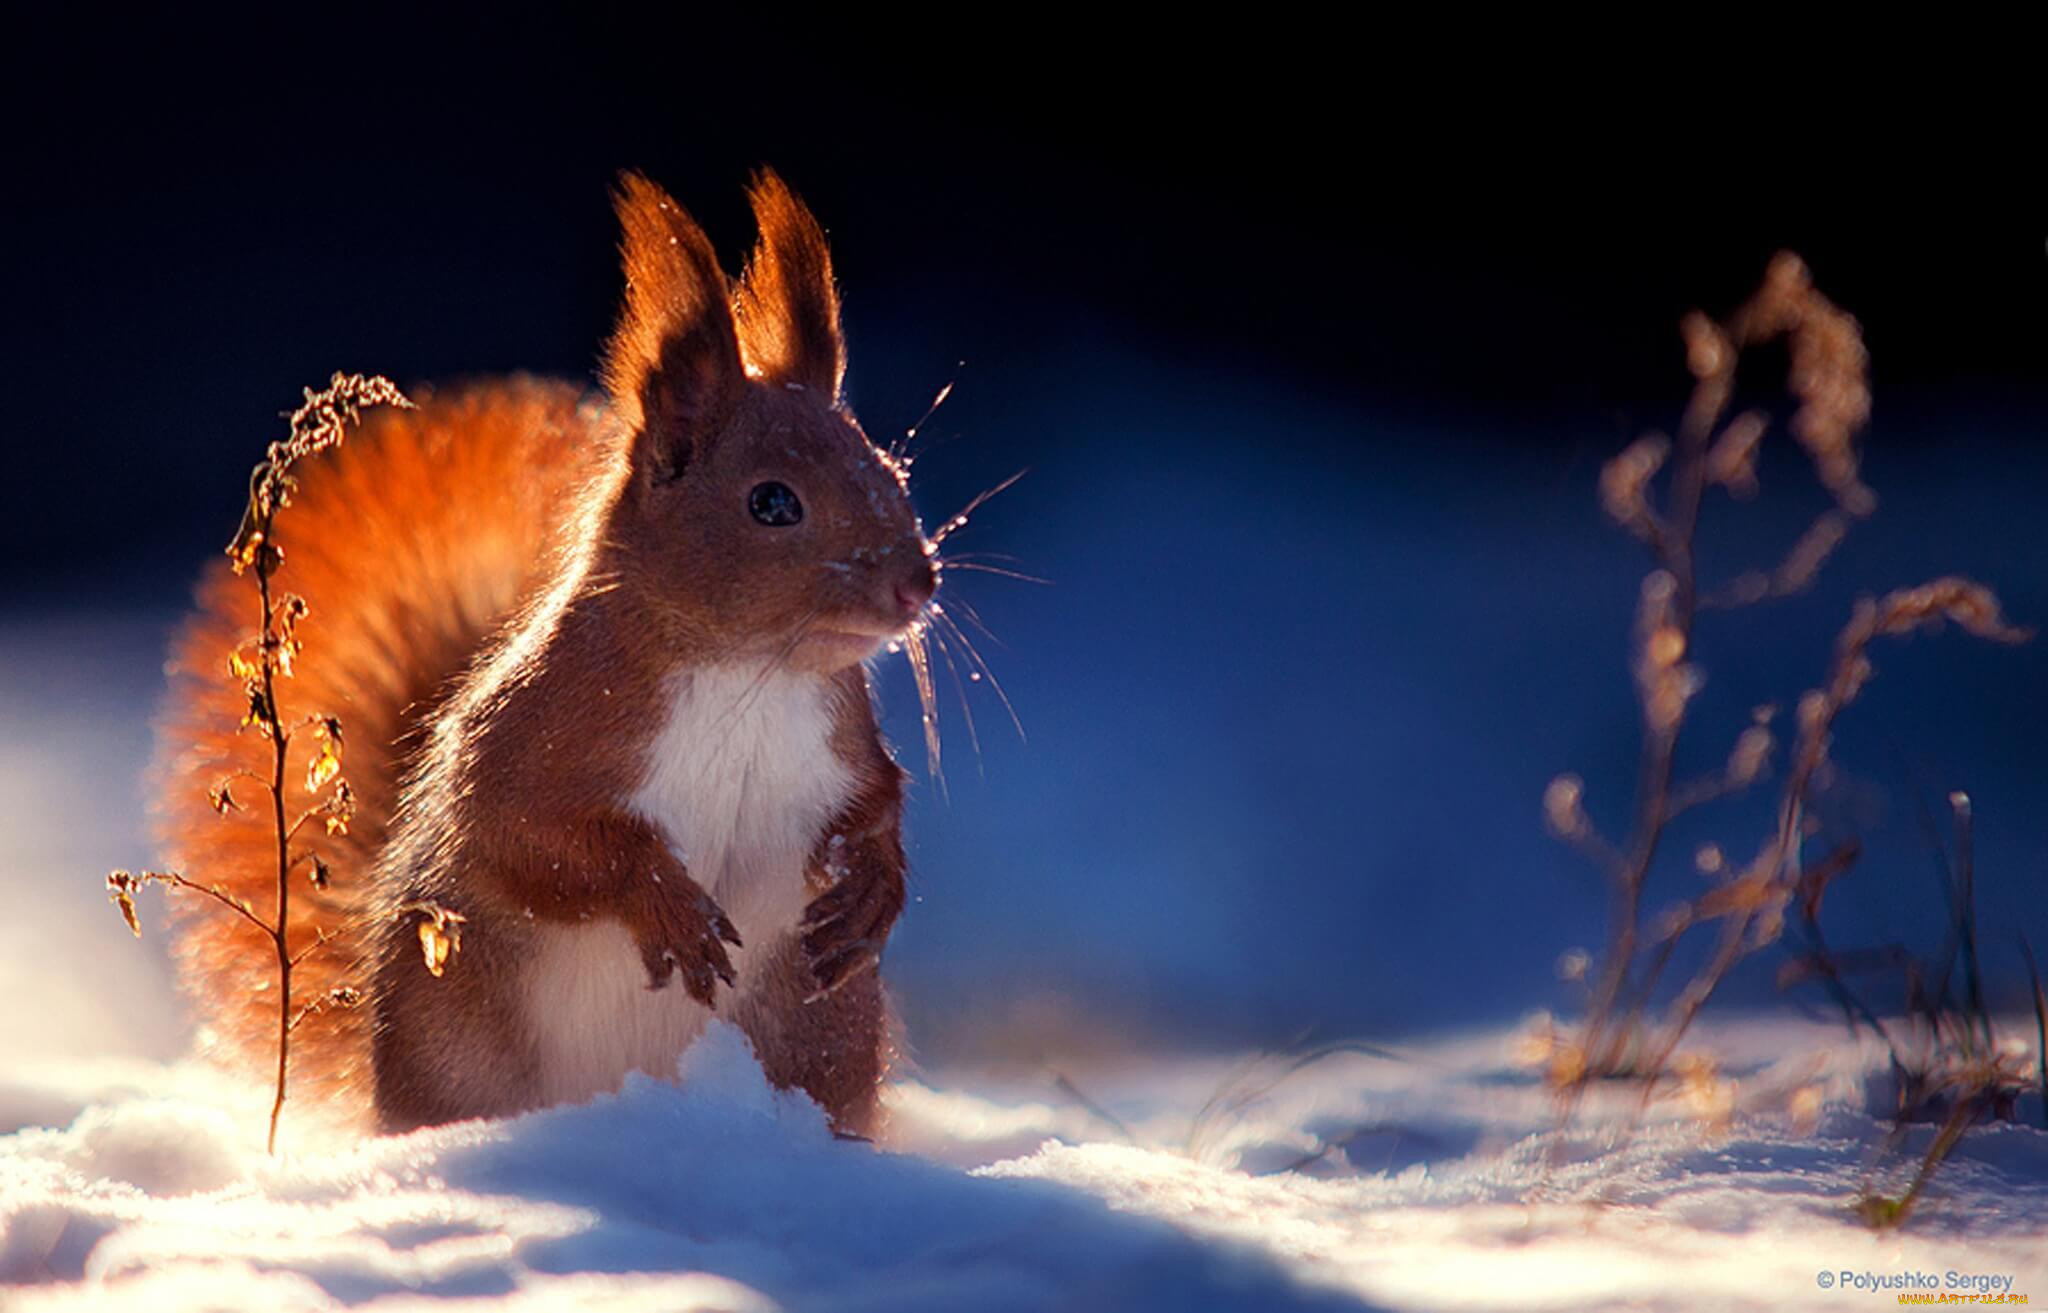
{"points": [[505, 587], [404, 580]]}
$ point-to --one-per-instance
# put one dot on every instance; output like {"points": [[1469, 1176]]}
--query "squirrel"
{"points": [[601, 663]]}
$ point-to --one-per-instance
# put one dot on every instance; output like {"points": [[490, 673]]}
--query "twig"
{"points": [[1966, 916], [320, 423], [1828, 380], [1882, 1213], [1091, 1107], [2040, 1028]]}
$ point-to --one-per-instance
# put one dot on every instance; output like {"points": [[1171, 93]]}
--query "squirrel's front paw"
{"points": [[843, 932], [691, 938]]}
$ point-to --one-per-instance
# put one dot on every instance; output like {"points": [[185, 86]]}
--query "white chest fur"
{"points": [[742, 780]]}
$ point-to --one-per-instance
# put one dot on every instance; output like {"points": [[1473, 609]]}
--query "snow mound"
{"points": [[720, 1193], [1440, 1180]]}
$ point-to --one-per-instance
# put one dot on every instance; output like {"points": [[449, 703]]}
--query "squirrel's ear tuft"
{"points": [[673, 365], [787, 306]]}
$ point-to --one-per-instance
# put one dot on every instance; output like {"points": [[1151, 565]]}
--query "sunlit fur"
{"points": [[404, 580], [741, 780], [541, 612], [787, 308]]}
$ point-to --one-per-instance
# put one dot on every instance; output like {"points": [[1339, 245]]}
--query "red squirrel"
{"points": [[600, 664]]}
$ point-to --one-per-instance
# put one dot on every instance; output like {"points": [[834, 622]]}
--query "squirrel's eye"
{"points": [[774, 504]]}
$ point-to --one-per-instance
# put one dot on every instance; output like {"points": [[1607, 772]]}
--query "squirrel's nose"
{"points": [[915, 589]]}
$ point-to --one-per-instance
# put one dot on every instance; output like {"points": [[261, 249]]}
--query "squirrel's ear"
{"points": [[673, 365], [787, 307]]}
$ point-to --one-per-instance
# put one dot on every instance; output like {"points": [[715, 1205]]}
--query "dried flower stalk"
{"points": [[1828, 381], [271, 654]]}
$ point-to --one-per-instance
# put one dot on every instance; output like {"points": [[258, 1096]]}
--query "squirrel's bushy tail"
{"points": [[410, 544]]}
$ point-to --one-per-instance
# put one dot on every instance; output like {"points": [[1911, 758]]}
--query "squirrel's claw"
{"points": [[832, 966], [830, 906], [699, 950], [844, 927]]}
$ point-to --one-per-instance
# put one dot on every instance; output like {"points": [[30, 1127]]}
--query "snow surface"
{"points": [[1435, 1178]]}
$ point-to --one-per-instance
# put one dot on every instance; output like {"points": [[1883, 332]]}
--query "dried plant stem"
{"points": [[1752, 910], [234, 905], [1965, 1074], [1671, 598], [319, 424], [280, 743], [1673, 545], [322, 422], [1829, 380], [2040, 1027], [1881, 1213], [1966, 913]]}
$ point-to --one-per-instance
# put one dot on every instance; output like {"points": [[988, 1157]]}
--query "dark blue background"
{"points": [[1313, 380]]}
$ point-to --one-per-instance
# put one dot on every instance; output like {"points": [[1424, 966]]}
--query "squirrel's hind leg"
{"points": [[836, 1048], [450, 1048]]}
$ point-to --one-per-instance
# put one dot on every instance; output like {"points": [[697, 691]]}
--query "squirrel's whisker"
{"points": [[974, 655], [955, 563], [958, 522], [917, 650], [966, 608], [960, 688]]}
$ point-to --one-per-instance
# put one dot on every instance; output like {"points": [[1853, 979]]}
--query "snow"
{"points": [[1146, 1183]]}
